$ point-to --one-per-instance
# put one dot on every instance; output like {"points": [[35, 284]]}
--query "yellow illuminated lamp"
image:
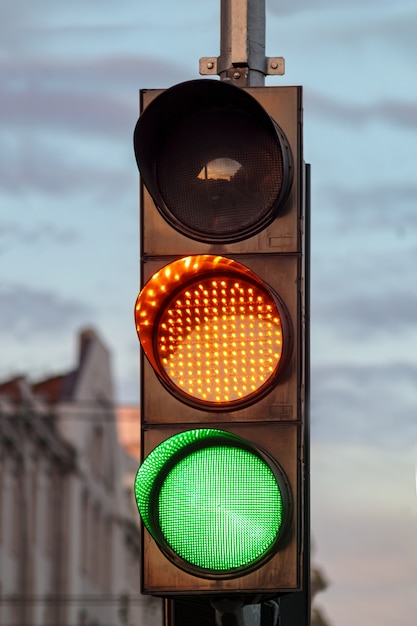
{"points": [[215, 334]]}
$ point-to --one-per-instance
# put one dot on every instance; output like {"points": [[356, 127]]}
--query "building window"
{"points": [[51, 515], [17, 517], [97, 450], [84, 531], [107, 554], [95, 543], [33, 518]]}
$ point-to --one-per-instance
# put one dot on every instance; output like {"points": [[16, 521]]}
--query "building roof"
{"points": [[51, 389]]}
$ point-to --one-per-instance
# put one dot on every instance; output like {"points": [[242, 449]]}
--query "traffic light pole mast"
{"points": [[242, 45]]}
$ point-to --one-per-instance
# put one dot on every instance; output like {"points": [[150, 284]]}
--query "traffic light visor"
{"points": [[216, 335], [218, 168], [215, 504]]}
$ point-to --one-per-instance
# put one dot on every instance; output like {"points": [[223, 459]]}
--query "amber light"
{"points": [[215, 334]]}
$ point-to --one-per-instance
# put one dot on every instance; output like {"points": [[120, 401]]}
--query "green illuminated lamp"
{"points": [[217, 506]]}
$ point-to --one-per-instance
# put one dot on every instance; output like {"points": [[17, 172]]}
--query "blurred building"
{"points": [[69, 539]]}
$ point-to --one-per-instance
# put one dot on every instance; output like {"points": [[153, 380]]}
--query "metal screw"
{"points": [[274, 65], [210, 65], [236, 75]]}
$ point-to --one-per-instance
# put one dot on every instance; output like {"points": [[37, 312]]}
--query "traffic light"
{"points": [[222, 326]]}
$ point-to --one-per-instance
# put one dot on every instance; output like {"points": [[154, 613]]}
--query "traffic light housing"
{"points": [[221, 321]]}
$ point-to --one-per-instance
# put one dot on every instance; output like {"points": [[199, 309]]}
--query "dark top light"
{"points": [[218, 168], [216, 505]]}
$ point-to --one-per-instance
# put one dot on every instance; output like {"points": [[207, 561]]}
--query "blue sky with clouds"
{"points": [[69, 80]]}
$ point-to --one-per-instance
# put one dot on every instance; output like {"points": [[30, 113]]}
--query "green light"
{"points": [[208, 514], [213, 501]]}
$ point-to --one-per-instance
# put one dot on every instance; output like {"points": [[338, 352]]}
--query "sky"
{"points": [[70, 73]]}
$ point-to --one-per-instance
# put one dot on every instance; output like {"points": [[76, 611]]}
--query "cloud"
{"points": [[54, 171], [375, 403], [26, 311], [352, 31], [14, 233], [89, 72], [73, 111], [364, 249], [367, 310], [284, 7], [390, 206], [395, 112]]}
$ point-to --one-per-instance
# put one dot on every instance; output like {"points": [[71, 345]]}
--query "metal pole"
{"points": [[242, 45], [228, 612]]}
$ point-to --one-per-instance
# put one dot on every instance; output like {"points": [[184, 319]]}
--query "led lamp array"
{"points": [[220, 341], [212, 330]]}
